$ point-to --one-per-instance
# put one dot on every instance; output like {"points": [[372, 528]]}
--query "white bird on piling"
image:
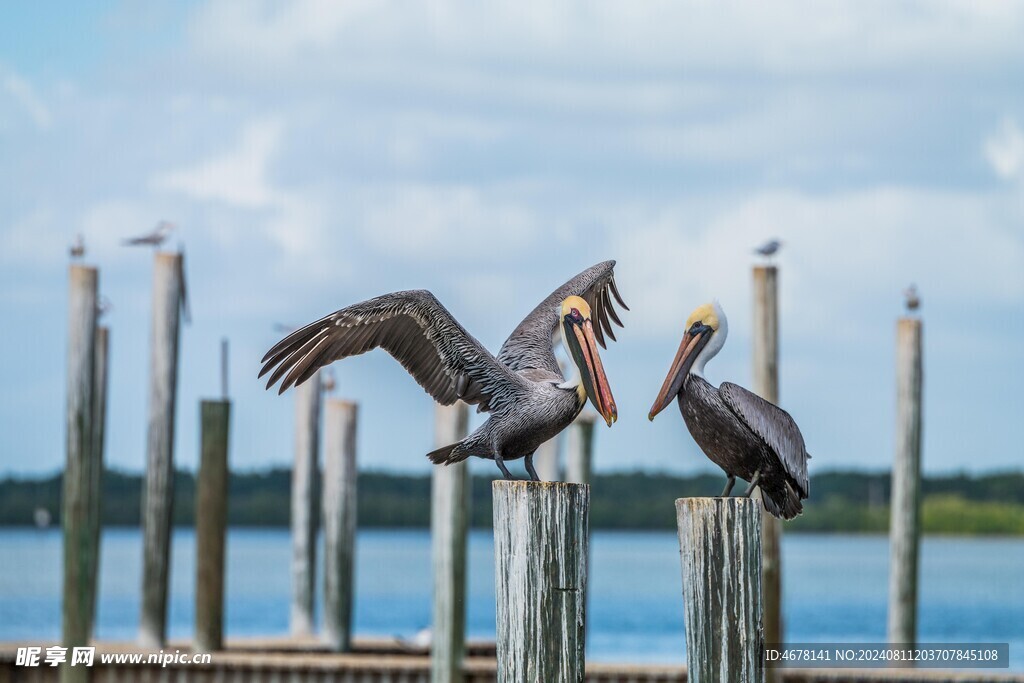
{"points": [[769, 248], [77, 249], [911, 299], [154, 238]]}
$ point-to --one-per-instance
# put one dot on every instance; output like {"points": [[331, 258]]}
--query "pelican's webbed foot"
{"points": [[753, 483], [728, 486]]}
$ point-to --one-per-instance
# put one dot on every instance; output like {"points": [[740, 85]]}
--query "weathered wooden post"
{"points": [[158, 488], [540, 556], [580, 447], [547, 460], [766, 385], [339, 506], [450, 501], [99, 420], [80, 495], [905, 524], [720, 549], [211, 523], [304, 504]]}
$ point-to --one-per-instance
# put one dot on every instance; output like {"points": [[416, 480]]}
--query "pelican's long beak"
{"points": [[583, 347], [689, 348]]}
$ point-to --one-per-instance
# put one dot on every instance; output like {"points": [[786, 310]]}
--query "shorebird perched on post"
{"points": [[739, 431], [911, 299], [769, 249], [77, 248], [154, 238], [529, 398]]}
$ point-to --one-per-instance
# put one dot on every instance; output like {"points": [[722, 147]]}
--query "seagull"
{"points": [[77, 249], [769, 248], [911, 298], [154, 238]]}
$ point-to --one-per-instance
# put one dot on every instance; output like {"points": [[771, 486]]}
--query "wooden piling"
{"points": [[580, 449], [158, 488], [450, 502], [905, 521], [99, 420], [766, 385], [80, 495], [339, 507], [720, 549], [540, 554], [304, 505], [211, 524]]}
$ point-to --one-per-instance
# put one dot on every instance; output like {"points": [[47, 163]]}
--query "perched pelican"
{"points": [[522, 387], [739, 431], [153, 238]]}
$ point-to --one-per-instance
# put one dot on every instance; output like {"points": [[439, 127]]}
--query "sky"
{"points": [[315, 154]]}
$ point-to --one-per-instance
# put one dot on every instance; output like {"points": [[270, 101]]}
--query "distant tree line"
{"points": [[840, 501]]}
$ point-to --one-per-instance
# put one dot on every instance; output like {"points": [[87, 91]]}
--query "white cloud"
{"points": [[447, 223], [794, 37], [237, 177], [26, 97], [846, 255], [1004, 150]]}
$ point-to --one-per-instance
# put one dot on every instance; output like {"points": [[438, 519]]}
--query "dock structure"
{"points": [[305, 510], [766, 385], [211, 523], [905, 520], [339, 513], [158, 489], [540, 554], [83, 466], [720, 551], [380, 661], [450, 506], [101, 381]]}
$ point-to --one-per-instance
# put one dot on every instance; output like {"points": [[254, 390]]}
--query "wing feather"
{"points": [[774, 426], [530, 344], [414, 328]]}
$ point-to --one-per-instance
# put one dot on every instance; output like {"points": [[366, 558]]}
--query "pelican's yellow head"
{"points": [[703, 337], [579, 340], [705, 314], [578, 303]]}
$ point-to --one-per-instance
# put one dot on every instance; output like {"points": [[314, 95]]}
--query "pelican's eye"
{"points": [[574, 314], [694, 327]]}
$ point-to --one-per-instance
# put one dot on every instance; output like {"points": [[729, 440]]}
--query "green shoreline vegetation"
{"points": [[841, 502]]}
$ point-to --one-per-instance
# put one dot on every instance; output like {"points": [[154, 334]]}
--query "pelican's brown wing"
{"points": [[530, 344], [414, 328], [774, 426]]}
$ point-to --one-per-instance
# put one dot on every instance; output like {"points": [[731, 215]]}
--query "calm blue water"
{"points": [[835, 588]]}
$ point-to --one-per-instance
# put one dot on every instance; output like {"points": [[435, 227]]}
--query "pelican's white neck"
{"points": [[714, 344]]}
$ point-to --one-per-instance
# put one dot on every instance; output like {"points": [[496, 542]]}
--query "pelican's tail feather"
{"points": [[784, 503], [448, 454]]}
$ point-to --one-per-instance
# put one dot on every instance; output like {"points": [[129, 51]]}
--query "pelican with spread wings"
{"points": [[523, 388]]}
